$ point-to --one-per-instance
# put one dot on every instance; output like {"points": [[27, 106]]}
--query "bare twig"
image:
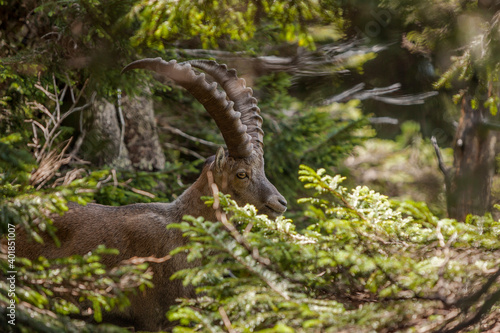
{"points": [[406, 99], [488, 304], [225, 320], [357, 92], [74, 108], [141, 192], [343, 95], [122, 124], [70, 89], [49, 160], [69, 177], [190, 137], [184, 150], [465, 302], [141, 260], [441, 164], [49, 166], [384, 120], [58, 104], [78, 144]]}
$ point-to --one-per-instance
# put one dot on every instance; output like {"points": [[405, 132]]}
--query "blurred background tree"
{"points": [[461, 40]]}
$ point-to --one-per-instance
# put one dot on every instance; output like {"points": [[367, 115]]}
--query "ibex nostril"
{"points": [[282, 201]]}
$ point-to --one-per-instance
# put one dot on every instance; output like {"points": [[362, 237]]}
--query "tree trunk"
{"points": [[105, 142], [141, 137], [126, 137], [468, 183]]}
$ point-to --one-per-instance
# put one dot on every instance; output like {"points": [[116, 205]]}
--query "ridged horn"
{"points": [[228, 120], [240, 94]]}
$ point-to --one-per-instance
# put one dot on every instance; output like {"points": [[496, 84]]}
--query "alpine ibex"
{"points": [[140, 229]]}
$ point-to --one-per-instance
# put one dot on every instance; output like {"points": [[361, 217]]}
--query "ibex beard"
{"points": [[140, 230]]}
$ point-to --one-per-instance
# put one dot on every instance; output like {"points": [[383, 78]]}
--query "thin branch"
{"points": [[58, 105], [372, 93], [59, 118], [357, 92], [184, 150], [63, 92], [122, 123], [406, 99], [343, 95], [42, 108], [78, 144], [490, 125], [491, 301], [384, 120], [141, 260], [442, 165], [141, 192], [80, 108], [190, 137], [225, 320], [45, 91], [203, 53], [50, 161], [70, 89], [470, 299]]}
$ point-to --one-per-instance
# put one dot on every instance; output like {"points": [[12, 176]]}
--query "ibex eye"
{"points": [[241, 175]]}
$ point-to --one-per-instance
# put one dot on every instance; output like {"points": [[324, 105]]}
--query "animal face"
{"points": [[245, 180]]}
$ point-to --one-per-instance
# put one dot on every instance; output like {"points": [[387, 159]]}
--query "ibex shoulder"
{"points": [[130, 229]]}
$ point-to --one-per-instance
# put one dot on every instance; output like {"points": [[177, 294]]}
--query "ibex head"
{"points": [[240, 171]]}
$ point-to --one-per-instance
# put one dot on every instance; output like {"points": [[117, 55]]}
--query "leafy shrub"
{"points": [[365, 263]]}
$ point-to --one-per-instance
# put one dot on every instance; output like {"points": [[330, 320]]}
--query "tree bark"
{"points": [[126, 136], [468, 183], [141, 137], [106, 143]]}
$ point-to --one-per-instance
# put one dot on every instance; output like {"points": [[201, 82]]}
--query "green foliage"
{"points": [[470, 30], [404, 168], [228, 21], [140, 186], [365, 263], [479, 64], [316, 136], [43, 288], [297, 132], [49, 291]]}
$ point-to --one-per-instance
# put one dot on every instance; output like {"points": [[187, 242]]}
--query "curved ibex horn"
{"points": [[228, 120], [240, 94]]}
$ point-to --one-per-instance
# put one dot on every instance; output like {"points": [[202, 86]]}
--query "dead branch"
{"points": [[190, 137], [490, 125], [50, 159], [357, 92], [226, 320], [483, 310], [384, 120], [442, 166], [184, 150], [141, 260]]}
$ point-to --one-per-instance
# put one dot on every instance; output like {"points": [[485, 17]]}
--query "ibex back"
{"points": [[140, 229]]}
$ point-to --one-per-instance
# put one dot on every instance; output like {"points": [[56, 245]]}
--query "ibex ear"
{"points": [[220, 159]]}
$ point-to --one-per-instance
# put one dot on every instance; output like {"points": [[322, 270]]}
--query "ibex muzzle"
{"points": [[140, 229]]}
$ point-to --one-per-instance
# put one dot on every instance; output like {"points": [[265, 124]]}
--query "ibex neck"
{"points": [[190, 202]]}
